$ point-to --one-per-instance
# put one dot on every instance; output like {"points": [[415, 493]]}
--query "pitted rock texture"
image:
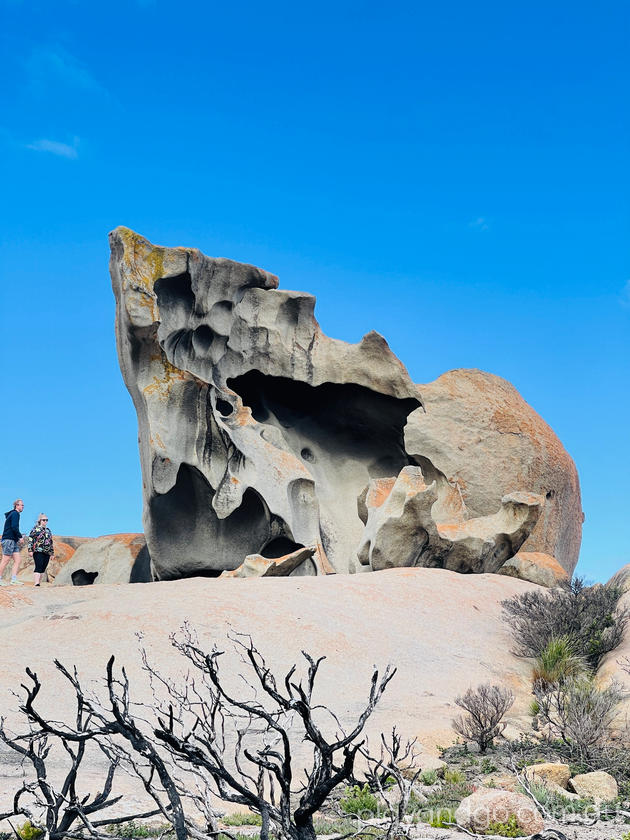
{"points": [[477, 430], [401, 529], [258, 433]]}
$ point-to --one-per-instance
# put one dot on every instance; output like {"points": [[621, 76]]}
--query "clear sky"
{"points": [[453, 175]]}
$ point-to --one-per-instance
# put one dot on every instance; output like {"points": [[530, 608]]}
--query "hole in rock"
{"points": [[83, 578], [175, 295], [202, 340], [356, 432], [342, 419], [550, 494], [224, 408], [189, 538], [280, 546]]}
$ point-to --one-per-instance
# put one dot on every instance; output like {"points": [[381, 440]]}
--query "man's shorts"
{"points": [[10, 547]]}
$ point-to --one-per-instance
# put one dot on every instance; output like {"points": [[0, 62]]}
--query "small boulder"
{"points": [[255, 565], [116, 558], [477, 811], [536, 567], [557, 773], [598, 786], [552, 787]]}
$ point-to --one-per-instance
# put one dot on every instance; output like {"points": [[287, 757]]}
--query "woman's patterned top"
{"points": [[40, 539]]}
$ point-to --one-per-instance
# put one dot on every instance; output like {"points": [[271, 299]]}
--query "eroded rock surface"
{"points": [[258, 433], [477, 430], [420, 525], [295, 563]]}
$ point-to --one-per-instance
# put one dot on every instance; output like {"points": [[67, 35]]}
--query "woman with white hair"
{"points": [[40, 545]]}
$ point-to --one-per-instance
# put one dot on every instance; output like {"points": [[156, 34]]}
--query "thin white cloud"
{"points": [[53, 65], [480, 223], [55, 148]]}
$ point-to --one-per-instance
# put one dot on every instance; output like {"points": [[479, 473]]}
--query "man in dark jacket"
{"points": [[12, 541]]}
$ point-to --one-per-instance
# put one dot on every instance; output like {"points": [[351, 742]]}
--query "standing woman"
{"points": [[40, 545]]}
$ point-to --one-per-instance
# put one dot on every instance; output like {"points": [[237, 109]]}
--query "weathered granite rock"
{"points": [[549, 771], [598, 786], [478, 431], [417, 619], [117, 558], [536, 567], [488, 805], [621, 578], [406, 527], [255, 565], [258, 433]]}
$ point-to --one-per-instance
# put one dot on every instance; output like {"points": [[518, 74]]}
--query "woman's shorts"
{"points": [[41, 561]]}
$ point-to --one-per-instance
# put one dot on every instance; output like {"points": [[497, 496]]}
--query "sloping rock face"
{"points": [[442, 630], [258, 434]]}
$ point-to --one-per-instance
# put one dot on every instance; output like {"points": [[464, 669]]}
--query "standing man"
{"points": [[12, 541]]}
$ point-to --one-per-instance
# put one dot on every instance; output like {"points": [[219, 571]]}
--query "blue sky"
{"points": [[453, 175]]}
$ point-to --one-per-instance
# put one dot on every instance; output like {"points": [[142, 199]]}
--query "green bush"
{"points": [[558, 661], [242, 818], [506, 829], [454, 777], [440, 804], [134, 829], [358, 801], [590, 616], [443, 818], [429, 777], [487, 766], [28, 831]]}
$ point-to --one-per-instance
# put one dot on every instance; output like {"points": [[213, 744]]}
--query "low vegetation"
{"points": [[359, 801], [485, 708], [510, 828], [242, 818], [588, 617]]}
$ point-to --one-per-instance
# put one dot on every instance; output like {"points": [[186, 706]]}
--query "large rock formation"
{"points": [[258, 434], [479, 432]]}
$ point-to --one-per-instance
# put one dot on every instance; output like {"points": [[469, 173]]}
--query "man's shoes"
{"points": [[16, 582], [3, 583]]}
